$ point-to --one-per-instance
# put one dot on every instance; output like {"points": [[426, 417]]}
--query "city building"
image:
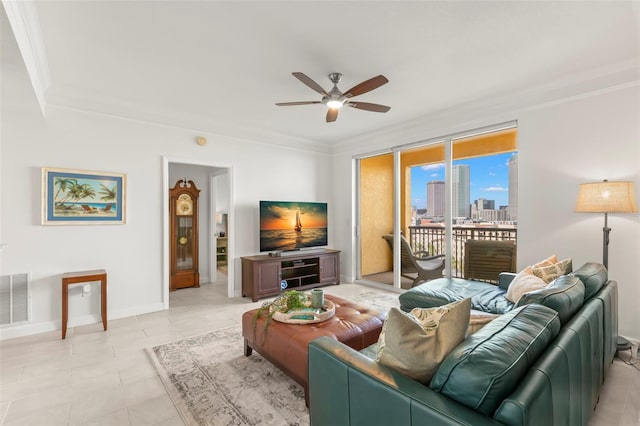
{"points": [[435, 198], [460, 190]]}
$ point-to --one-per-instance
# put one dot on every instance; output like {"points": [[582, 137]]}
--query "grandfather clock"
{"points": [[183, 212]]}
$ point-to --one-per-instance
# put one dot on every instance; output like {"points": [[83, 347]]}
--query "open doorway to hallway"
{"points": [[215, 221]]}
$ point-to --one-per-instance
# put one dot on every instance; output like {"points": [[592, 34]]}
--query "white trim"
{"points": [[397, 243], [448, 195], [213, 234], [23, 18]]}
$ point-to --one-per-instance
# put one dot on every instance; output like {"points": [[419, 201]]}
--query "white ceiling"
{"points": [[220, 66]]}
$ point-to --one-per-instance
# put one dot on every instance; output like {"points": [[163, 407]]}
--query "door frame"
{"points": [[166, 160]]}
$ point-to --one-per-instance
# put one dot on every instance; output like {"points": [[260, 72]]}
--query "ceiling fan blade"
{"points": [[309, 82], [368, 106], [332, 115], [297, 103], [366, 86]]}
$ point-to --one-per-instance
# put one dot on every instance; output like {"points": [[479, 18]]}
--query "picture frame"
{"points": [[83, 197]]}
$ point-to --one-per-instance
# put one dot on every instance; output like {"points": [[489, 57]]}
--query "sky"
{"points": [[489, 178]]}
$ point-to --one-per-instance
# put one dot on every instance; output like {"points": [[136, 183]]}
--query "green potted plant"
{"points": [[287, 301]]}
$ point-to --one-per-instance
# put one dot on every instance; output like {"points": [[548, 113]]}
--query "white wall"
{"points": [[131, 253], [580, 139]]}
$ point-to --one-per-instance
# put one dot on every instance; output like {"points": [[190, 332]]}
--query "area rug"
{"points": [[211, 382]]}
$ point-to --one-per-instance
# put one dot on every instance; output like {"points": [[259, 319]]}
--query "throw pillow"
{"points": [[479, 319], [415, 344], [550, 273], [546, 262], [523, 283]]}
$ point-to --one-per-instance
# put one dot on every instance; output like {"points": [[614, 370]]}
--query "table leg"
{"points": [[65, 308], [103, 287]]}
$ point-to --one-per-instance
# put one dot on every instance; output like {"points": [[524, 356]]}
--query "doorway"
{"points": [[216, 200]]}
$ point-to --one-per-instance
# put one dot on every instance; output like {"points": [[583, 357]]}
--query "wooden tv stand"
{"points": [[261, 275]]}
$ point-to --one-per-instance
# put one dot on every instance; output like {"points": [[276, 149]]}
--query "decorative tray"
{"points": [[307, 315]]}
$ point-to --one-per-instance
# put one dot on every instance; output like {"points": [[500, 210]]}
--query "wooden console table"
{"points": [[69, 278]]}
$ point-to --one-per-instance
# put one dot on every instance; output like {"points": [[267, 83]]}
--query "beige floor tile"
{"points": [[52, 415], [123, 323], [135, 373], [117, 418], [10, 373], [152, 411], [4, 406], [40, 385], [90, 406], [172, 421], [98, 346], [95, 382]]}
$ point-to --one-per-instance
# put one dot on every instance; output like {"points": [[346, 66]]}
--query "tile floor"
{"points": [[104, 378]]}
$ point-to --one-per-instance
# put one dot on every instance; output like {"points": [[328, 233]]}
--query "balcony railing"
{"points": [[432, 239]]}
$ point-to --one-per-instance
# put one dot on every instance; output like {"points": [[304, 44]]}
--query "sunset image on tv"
{"points": [[287, 225]]}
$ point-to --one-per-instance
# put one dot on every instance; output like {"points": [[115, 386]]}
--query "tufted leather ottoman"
{"points": [[287, 345]]}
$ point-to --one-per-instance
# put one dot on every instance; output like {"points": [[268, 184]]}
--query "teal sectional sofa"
{"points": [[539, 363]]}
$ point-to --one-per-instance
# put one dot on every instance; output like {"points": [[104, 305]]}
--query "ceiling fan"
{"points": [[335, 99]]}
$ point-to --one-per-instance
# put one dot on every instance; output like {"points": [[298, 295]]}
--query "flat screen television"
{"points": [[290, 225]]}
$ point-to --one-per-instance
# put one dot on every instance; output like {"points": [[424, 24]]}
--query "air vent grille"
{"points": [[14, 299]]}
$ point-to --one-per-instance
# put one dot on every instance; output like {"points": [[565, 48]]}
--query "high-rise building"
{"points": [[461, 191], [435, 198], [484, 204], [513, 187]]}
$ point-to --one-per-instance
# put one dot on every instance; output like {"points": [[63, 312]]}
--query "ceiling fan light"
{"points": [[334, 104]]}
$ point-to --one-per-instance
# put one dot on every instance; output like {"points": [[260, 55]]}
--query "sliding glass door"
{"points": [[426, 200]]}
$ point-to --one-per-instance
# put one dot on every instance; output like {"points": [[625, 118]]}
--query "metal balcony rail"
{"points": [[431, 238]]}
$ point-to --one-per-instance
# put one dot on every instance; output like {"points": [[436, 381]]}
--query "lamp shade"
{"points": [[606, 197]]}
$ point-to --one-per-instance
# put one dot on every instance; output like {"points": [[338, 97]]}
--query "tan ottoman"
{"points": [[287, 345]]}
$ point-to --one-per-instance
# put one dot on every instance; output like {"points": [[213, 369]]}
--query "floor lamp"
{"points": [[607, 197]]}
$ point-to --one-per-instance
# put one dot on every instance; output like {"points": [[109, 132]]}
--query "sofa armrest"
{"points": [[347, 388], [504, 279]]}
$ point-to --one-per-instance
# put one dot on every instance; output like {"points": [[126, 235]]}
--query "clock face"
{"points": [[184, 205]]}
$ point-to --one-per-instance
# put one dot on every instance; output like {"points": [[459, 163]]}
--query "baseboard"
{"points": [[28, 329]]}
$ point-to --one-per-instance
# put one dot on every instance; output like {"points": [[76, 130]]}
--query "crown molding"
{"points": [[588, 83], [70, 100], [25, 24]]}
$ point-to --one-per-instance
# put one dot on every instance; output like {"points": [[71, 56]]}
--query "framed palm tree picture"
{"points": [[82, 197]]}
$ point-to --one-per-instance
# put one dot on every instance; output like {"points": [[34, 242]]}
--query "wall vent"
{"points": [[15, 296]]}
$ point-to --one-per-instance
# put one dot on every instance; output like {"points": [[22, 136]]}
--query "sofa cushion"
{"points": [[484, 297], [415, 344], [485, 367], [524, 282], [551, 272], [593, 276], [565, 295]]}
